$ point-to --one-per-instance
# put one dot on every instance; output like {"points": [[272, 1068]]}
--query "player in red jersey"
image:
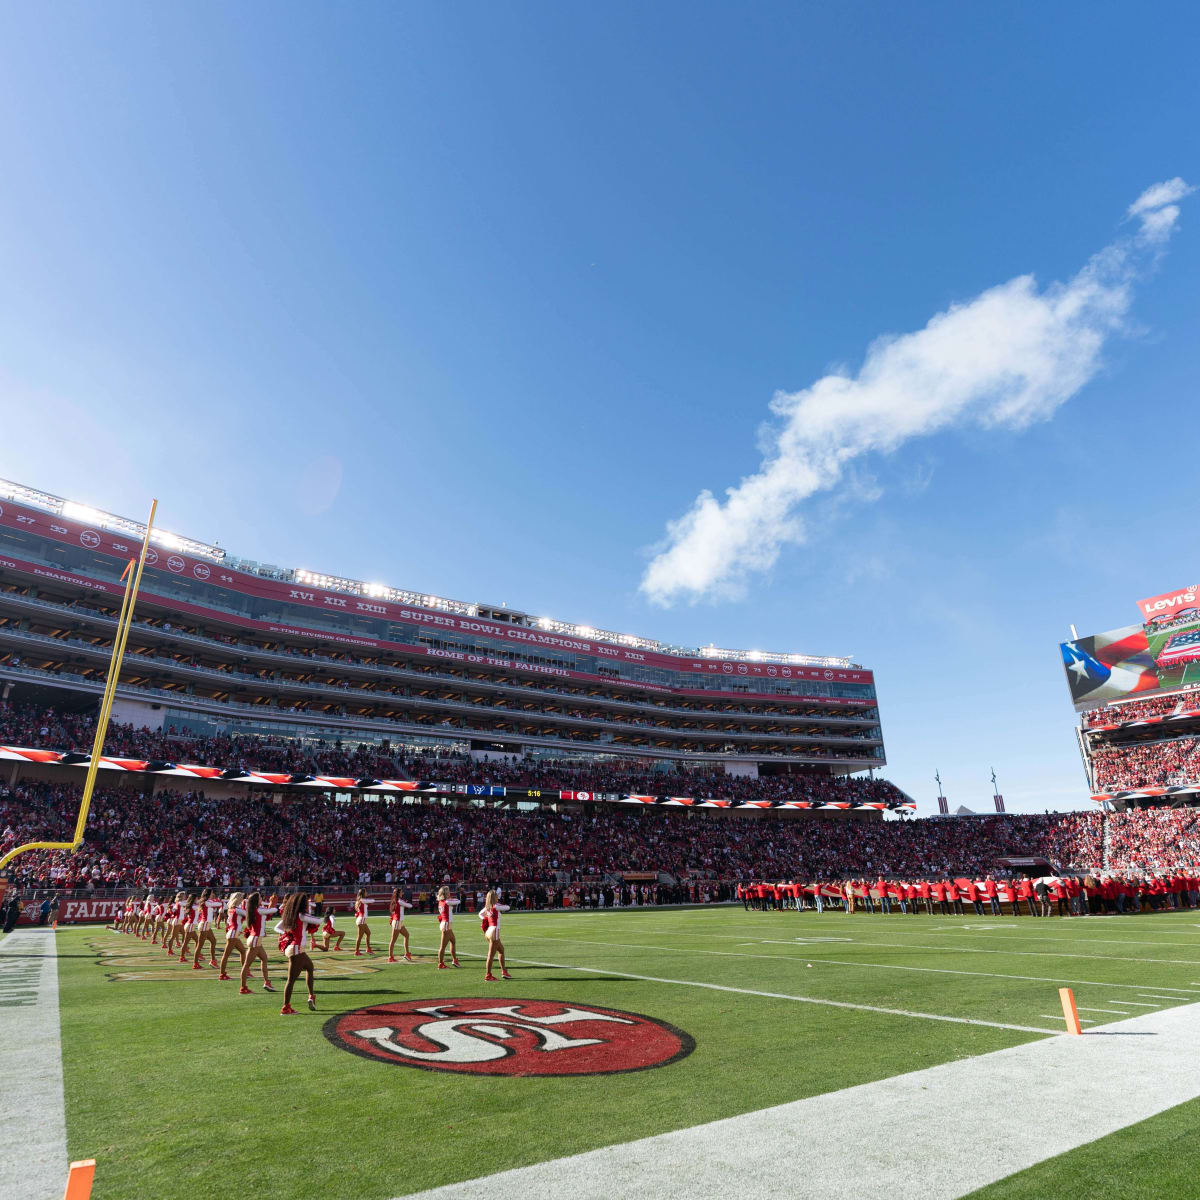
{"points": [[233, 932], [399, 929], [295, 931], [446, 907], [489, 918], [362, 906], [254, 914], [206, 910]]}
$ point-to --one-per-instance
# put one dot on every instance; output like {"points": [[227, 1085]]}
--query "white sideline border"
{"points": [[33, 1149], [845, 1143]]}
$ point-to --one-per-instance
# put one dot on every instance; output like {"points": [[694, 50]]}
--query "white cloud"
{"points": [[1008, 357], [1158, 208]]}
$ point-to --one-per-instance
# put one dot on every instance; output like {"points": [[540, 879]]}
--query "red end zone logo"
{"points": [[509, 1037]]}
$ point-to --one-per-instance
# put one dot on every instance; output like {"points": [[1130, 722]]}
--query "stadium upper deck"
{"points": [[226, 645]]}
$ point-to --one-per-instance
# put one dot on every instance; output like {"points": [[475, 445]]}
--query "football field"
{"points": [[618, 1027]]}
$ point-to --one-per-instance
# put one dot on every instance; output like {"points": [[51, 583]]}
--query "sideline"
{"points": [[845, 1143], [33, 1150]]}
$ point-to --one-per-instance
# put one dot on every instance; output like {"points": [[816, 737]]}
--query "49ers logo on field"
{"points": [[485, 1036]]}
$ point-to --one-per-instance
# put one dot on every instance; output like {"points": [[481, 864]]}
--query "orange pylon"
{"points": [[79, 1181], [1072, 1017]]}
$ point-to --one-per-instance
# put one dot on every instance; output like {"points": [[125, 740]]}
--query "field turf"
{"points": [[181, 1088]]}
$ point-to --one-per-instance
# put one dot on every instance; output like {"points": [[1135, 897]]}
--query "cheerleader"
{"points": [[191, 919], [159, 921], [489, 918], [330, 930], [446, 908], [362, 907], [254, 914], [398, 926], [202, 915], [295, 923], [233, 932], [174, 917], [146, 917]]}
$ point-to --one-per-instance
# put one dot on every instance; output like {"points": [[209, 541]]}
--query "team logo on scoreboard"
{"points": [[497, 1036]]}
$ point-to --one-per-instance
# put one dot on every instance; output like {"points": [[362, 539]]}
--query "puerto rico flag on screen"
{"points": [[1109, 666]]}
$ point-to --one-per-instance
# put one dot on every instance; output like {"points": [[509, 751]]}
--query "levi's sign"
{"points": [[1169, 605]]}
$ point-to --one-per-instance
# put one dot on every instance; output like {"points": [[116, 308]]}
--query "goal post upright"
{"points": [[133, 582]]}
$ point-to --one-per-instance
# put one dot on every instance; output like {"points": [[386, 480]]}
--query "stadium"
{"points": [[783, 366], [669, 831]]}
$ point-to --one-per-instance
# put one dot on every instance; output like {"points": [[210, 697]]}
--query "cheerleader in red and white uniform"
{"points": [[446, 907], [192, 915], [174, 917], [329, 930], [399, 929], [489, 919], [295, 928], [361, 912], [145, 916], [254, 914], [158, 916], [206, 910], [233, 932]]}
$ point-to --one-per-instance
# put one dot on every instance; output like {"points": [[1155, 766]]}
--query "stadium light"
{"points": [[376, 589], [81, 512]]}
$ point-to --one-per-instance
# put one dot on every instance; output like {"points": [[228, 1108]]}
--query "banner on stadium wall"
{"points": [[341, 783], [73, 912], [333, 637], [204, 572]]}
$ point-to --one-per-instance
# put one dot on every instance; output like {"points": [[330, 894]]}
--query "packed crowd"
{"points": [[1147, 764], [1139, 710], [182, 839], [27, 725], [1154, 839]]}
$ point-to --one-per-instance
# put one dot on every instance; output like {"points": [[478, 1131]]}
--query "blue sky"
{"points": [[477, 298]]}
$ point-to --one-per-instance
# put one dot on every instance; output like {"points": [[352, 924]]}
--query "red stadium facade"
{"points": [[227, 648]]}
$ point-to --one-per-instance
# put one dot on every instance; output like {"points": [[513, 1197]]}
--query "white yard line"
{"points": [[814, 953], [845, 1143], [1137, 1004], [33, 1150], [1121, 958], [721, 987], [1087, 1008]]}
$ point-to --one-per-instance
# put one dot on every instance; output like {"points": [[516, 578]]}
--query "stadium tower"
{"points": [[226, 646]]}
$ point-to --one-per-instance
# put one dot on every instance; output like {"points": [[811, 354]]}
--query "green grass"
{"points": [[181, 1088]]}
